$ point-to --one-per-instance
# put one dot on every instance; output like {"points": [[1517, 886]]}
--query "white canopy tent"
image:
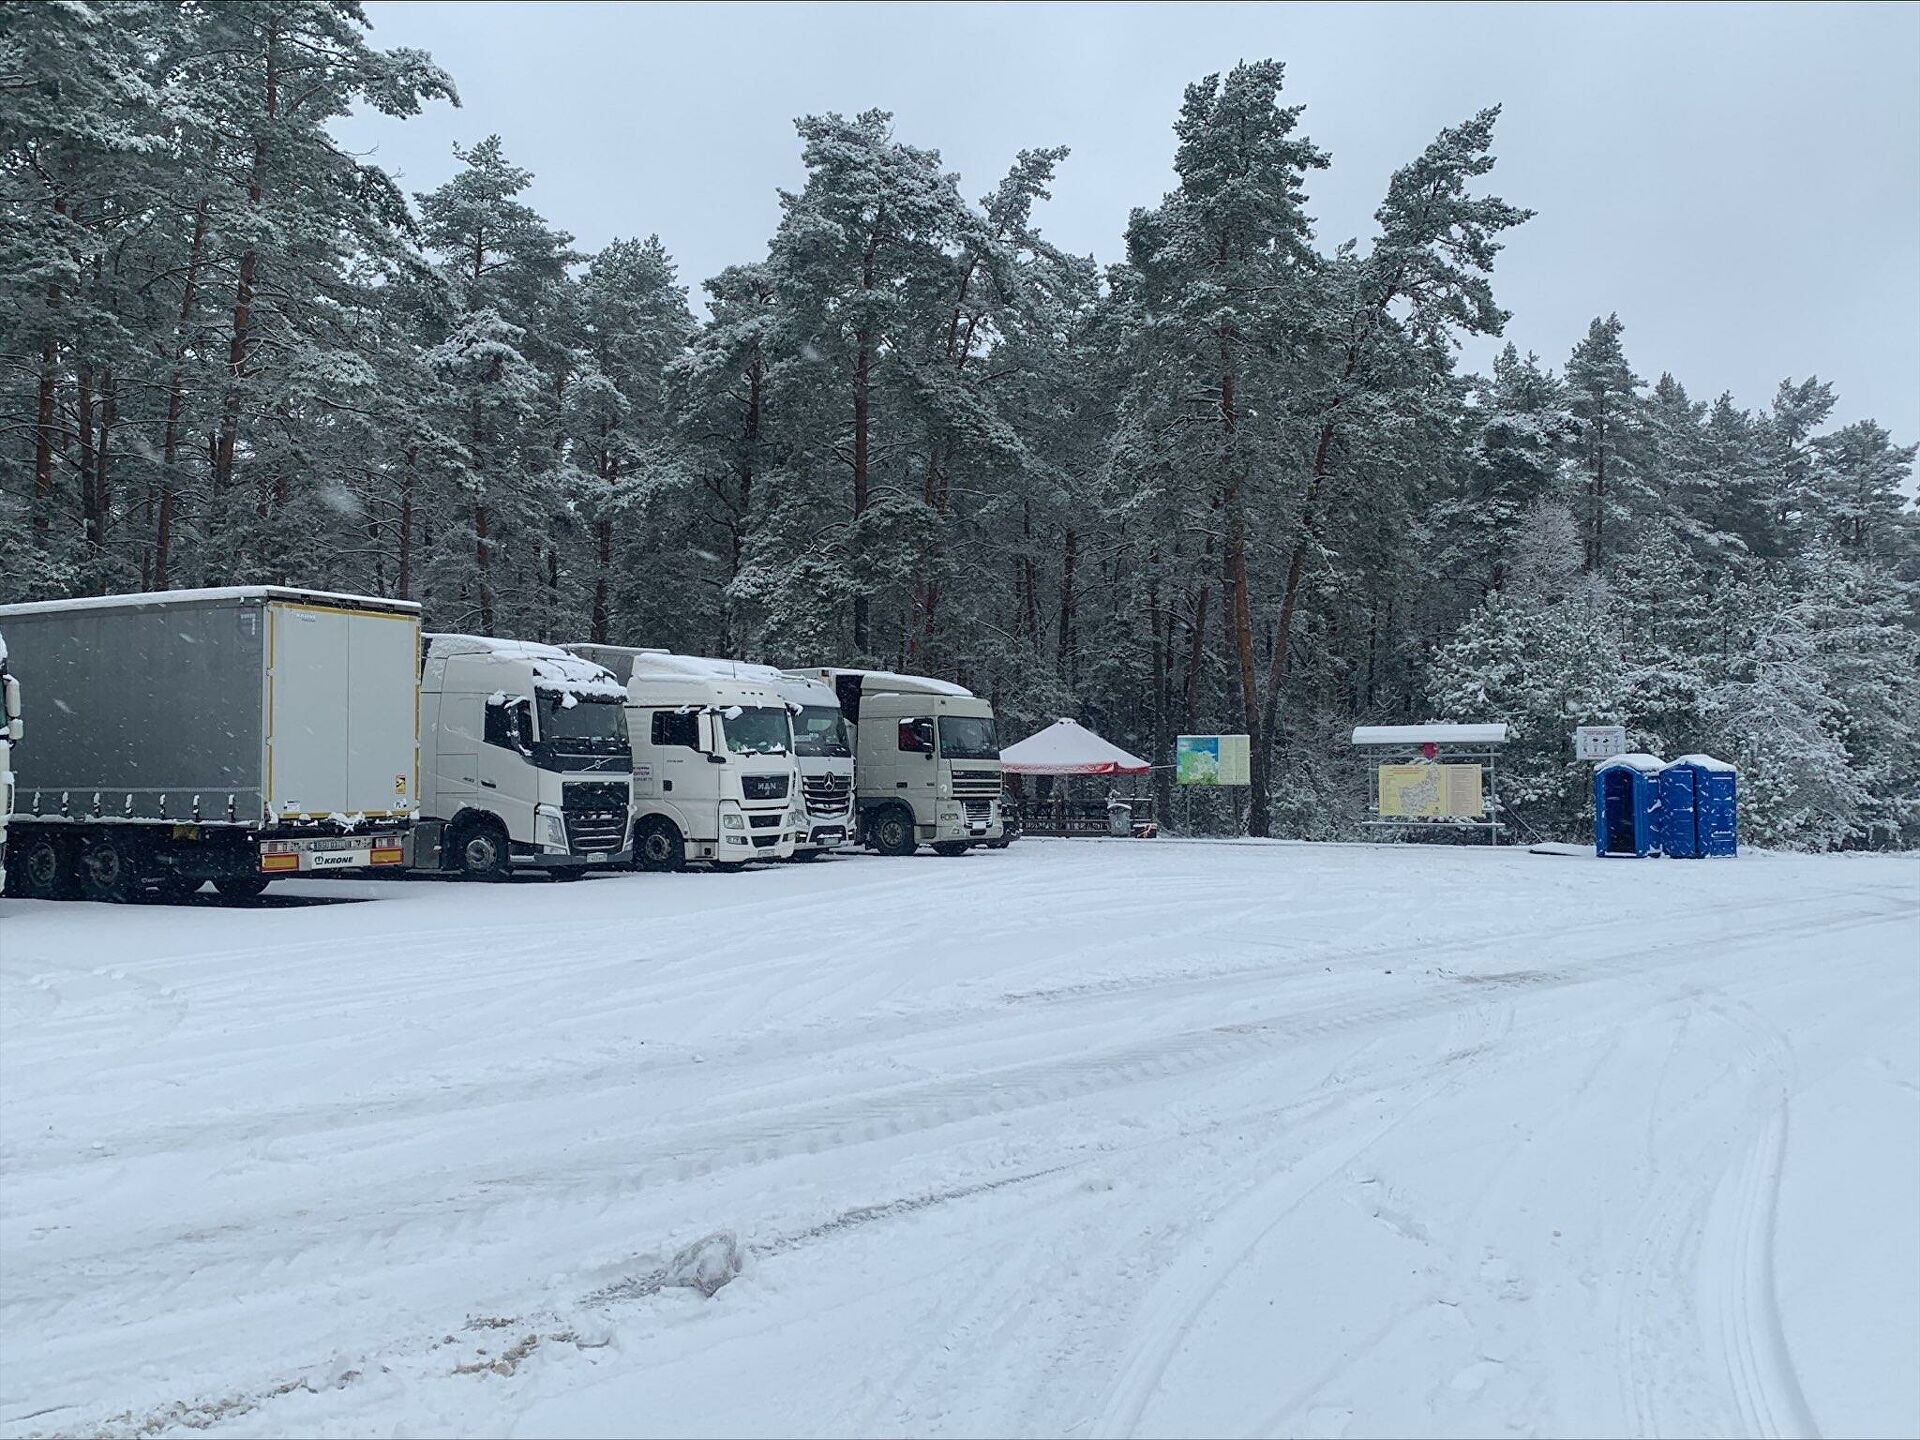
{"points": [[1068, 748]]}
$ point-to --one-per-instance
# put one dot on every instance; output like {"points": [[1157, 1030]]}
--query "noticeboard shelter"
{"points": [[1437, 776]]}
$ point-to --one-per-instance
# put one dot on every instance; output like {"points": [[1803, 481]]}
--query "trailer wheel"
{"points": [[480, 851], [44, 870], [658, 845], [242, 887], [951, 848], [893, 832], [110, 868]]}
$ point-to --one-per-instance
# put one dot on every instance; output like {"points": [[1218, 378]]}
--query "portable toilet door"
{"points": [[1679, 812], [1623, 810], [1718, 802]]}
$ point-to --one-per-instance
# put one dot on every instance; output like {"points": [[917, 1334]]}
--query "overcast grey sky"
{"points": [[1740, 182]]}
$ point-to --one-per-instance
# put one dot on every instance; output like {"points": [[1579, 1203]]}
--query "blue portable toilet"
{"points": [[1699, 801], [1626, 802]]}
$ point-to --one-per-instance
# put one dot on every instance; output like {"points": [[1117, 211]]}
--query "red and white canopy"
{"points": [[1068, 748]]}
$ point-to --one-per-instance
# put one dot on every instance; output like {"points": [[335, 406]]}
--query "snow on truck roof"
{"points": [[550, 663], [1436, 734], [220, 592], [879, 682]]}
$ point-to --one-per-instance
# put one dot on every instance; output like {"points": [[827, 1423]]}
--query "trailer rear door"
{"points": [[343, 711]]}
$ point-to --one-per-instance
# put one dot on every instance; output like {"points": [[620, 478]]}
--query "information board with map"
{"points": [[1431, 792], [1212, 760]]}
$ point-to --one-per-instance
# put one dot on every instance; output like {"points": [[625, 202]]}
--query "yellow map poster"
{"points": [[1431, 792]]}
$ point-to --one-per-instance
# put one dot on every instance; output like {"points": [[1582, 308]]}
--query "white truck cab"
{"points": [[11, 729], [523, 759], [823, 748], [714, 775], [926, 761]]}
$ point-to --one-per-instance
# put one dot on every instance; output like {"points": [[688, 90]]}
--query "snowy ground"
{"points": [[1076, 1138]]}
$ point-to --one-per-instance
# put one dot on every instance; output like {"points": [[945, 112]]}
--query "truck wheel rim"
{"points": [[103, 865], [657, 846], [43, 866], [480, 853]]}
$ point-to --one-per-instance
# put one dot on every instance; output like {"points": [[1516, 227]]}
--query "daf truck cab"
{"points": [[12, 727], [714, 776], [523, 760], [926, 761]]}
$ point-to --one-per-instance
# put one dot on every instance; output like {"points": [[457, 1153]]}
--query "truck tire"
{"points": [[242, 887], [658, 845], [951, 848], [110, 868], [893, 831], [480, 851], [41, 869]]}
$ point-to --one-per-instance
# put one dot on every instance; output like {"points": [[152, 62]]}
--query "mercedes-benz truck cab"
{"points": [[524, 760], [926, 761], [823, 748], [714, 776]]}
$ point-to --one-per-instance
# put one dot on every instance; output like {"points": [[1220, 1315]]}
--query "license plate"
{"points": [[830, 837], [596, 855], [336, 859]]}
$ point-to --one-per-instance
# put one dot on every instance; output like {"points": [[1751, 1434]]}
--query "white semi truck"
{"points": [[12, 728], [235, 735], [524, 760], [823, 747], [714, 774], [926, 760]]}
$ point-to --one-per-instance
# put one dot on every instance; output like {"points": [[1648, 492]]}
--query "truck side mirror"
{"points": [[714, 757]]}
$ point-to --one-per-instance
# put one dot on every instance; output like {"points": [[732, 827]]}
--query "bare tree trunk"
{"points": [[240, 347], [101, 510], [83, 421], [409, 478], [862, 374], [1065, 640], [43, 445]]}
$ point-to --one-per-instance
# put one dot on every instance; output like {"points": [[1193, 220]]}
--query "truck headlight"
{"points": [[733, 820], [550, 831]]}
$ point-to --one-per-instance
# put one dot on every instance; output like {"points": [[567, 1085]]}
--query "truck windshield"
{"points": [[968, 737], [756, 729], [582, 724], [820, 730]]}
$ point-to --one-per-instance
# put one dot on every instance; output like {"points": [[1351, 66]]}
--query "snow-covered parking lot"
{"points": [[1076, 1138]]}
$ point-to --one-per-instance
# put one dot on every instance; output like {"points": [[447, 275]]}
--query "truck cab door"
{"points": [[917, 754], [509, 784]]}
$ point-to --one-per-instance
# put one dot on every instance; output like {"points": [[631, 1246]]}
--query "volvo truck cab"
{"points": [[524, 760], [926, 761], [714, 775]]}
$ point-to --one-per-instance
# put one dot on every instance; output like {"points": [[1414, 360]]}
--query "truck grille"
{"points": [[764, 822], [596, 817], [979, 812], [971, 784], [827, 794], [764, 787]]}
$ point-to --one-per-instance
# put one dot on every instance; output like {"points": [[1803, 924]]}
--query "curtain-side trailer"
{"points": [[234, 735]]}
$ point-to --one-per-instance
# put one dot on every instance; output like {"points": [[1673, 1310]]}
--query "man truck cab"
{"points": [[523, 759], [714, 776], [926, 761]]}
